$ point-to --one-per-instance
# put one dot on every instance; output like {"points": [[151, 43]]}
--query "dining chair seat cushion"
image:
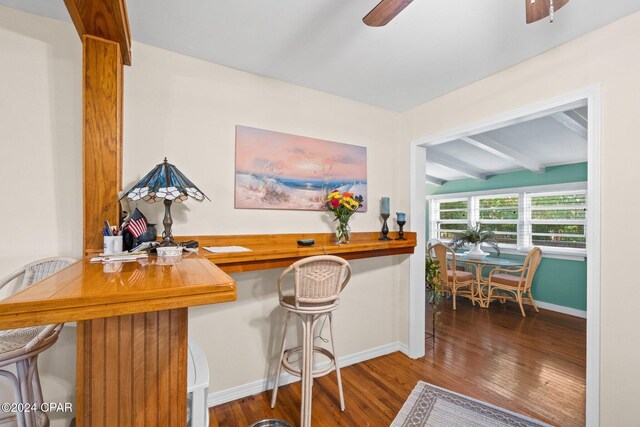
{"points": [[14, 339], [461, 276], [506, 279]]}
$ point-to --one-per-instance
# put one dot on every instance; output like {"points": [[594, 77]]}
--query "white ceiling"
{"points": [[431, 48], [548, 141]]}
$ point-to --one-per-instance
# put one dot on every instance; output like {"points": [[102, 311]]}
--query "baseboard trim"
{"points": [[561, 309], [255, 387], [403, 348]]}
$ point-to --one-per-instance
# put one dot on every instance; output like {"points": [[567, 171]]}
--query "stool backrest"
{"points": [[32, 273], [318, 279], [36, 271]]}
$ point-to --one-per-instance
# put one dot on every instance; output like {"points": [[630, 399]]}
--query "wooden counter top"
{"points": [[88, 290], [281, 250]]}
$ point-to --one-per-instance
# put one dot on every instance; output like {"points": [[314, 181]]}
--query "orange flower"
{"points": [[346, 194]]}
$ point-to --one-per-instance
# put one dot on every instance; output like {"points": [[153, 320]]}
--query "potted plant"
{"points": [[434, 292], [475, 236], [433, 280]]}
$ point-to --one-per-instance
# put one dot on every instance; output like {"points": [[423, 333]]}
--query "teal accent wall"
{"points": [[557, 281], [576, 172], [560, 282]]}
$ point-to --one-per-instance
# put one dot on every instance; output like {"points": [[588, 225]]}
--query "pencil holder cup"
{"points": [[112, 245]]}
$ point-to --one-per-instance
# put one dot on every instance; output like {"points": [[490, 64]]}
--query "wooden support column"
{"points": [[101, 136], [103, 27], [132, 339]]}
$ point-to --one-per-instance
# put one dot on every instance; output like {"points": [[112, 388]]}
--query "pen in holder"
{"points": [[112, 245]]}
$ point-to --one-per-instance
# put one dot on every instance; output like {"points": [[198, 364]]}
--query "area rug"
{"points": [[432, 406]]}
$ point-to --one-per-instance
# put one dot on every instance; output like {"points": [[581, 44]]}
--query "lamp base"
{"points": [[167, 236], [168, 242]]}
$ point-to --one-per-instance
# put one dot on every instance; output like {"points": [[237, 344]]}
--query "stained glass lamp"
{"points": [[165, 183]]}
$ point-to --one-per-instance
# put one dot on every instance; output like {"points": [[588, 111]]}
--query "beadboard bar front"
{"points": [[281, 250]]}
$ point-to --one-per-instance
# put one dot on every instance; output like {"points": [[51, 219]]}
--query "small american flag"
{"points": [[137, 224]]}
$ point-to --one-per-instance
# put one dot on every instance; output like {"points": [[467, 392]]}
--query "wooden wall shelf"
{"points": [[281, 250]]}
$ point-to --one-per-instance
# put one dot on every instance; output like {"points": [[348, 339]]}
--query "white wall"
{"points": [[187, 109], [41, 164], [608, 56]]}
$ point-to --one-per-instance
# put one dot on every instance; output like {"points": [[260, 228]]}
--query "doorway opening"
{"points": [[536, 204]]}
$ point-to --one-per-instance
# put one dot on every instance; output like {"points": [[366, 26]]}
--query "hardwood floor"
{"points": [[533, 366]]}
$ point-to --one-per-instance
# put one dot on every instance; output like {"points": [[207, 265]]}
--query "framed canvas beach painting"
{"points": [[280, 171]]}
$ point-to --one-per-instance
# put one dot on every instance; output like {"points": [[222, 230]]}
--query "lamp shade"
{"points": [[165, 182]]}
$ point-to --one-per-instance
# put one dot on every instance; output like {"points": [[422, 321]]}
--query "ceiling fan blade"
{"points": [[540, 9], [385, 11]]}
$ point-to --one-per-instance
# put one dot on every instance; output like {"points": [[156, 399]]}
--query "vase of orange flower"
{"points": [[343, 205]]}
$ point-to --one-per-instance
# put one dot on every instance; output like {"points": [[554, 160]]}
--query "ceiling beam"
{"points": [[434, 181], [454, 164], [105, 19], [474, 130], [490, 145], [574, 122], [583, 118]]}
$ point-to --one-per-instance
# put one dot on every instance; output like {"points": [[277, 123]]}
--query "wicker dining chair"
{"points": [[509, 283], [457, 282], [318, 282], [22, 346]]}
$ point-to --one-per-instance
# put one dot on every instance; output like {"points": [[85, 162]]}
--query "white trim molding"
{"points": [[259, 386], [417, 264], [562, 309], [594, 96]]}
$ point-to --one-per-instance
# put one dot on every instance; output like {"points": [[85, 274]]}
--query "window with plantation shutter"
{"points": [[501, 215], [557, 219], [451, 217], [554, 220]]}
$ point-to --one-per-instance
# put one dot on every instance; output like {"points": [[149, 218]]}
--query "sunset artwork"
{"points": [[280, 171]]}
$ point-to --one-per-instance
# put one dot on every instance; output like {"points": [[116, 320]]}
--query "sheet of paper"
{"points": [[119, 258], [226, 249]]}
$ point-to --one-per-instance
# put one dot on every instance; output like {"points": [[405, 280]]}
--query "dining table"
{"points": [[478, 266]]}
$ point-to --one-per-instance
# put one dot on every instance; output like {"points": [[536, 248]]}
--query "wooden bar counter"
{"points": [[132, 333], [132, 317], [281, 250]]}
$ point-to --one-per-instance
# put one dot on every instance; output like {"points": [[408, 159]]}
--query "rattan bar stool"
{"points": [[317, 284], [22, 346]]}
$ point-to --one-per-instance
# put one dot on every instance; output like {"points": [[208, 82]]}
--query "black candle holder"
{"points": [[401, 231], [385, 227]]}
